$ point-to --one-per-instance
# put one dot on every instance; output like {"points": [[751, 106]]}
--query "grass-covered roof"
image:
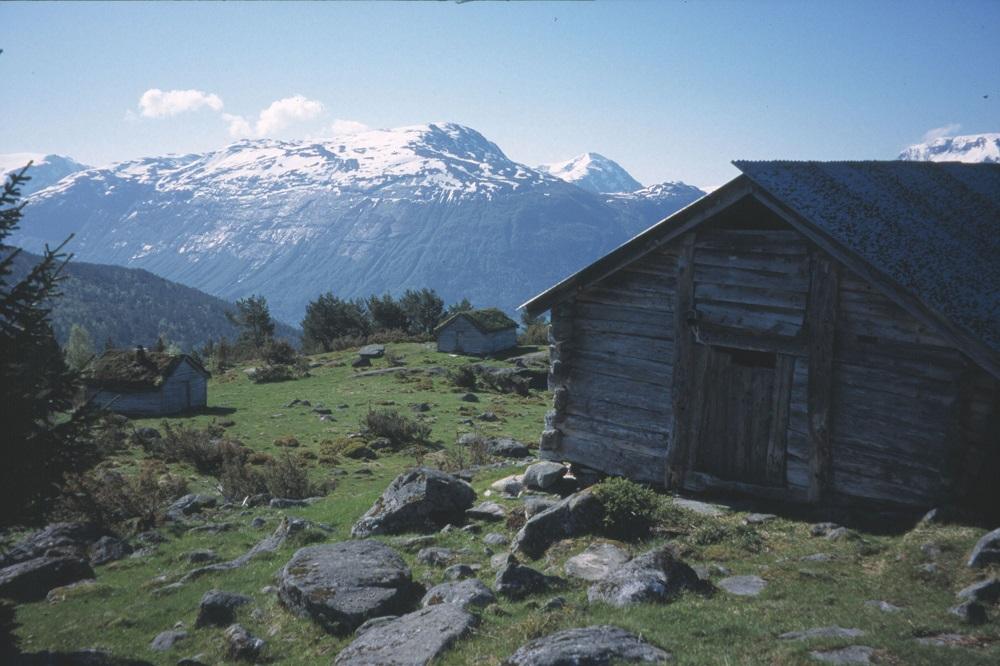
{"points": [[487, 320], [135, 369]]}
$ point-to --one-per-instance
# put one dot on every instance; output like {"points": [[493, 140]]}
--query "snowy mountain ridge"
{"points": [[594, 173], [45, 169], [967, 148]]}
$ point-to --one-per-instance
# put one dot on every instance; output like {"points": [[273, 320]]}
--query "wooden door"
{"points": [[738, 425]]}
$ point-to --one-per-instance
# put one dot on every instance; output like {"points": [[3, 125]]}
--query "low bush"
{"points": [[464, 376], [204, 448], [117, 502], [536, 334], [279, 352], [743, 537], [283, 477], [111, 434], [630, 509], [268, 374], [398, 429]]}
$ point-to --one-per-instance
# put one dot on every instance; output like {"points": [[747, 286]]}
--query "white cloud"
{"points": [[276, 117], [939, 132], [340, 126], [156, 103]]}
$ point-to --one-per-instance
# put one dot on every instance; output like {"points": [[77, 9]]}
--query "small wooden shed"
{"points": [[823, 332], [144, 383], [476, 332]]}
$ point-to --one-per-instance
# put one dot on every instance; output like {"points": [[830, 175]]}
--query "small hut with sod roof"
{"points": [[819, 332], [477, 332], [144, 383]]}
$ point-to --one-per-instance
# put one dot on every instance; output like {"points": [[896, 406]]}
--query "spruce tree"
{"points": [[253, 318], [44, 433], [79, 348]]}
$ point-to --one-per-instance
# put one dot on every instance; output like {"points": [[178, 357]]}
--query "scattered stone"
{"points": [[212, 528], [465, 593], [817, 557], [929, 569], [495, 539], [380, 443], [986, 591], [148, 434], [535, 505], [852, 654], [218, 608], [413, 639], [516, 581], [759, 518], [422, 500], [258, 523], [505, 447], [372, 351], [486, 511], [291, 403], [931, 551], [543, 475], [286, 503], [588, 646], [701, 508], [202, 556], [86, 587], [499, 560], [986, 550], [509, 485], [166, 640], [226, 423], [459, 572], [942, 640], [64, 538], [32, 580], [743, 586], [883, 606], [286, 528], [242, 645], [361, 362], [970, 612], [189, 505], [821, 632], [597, 562], [374, 622], [343, 584], [554, 604], [470, 397], [109, 549], [822, 529], [420, 407], [842, 534], [578, 514], [656, 576], [435, 556], [489, 417]]}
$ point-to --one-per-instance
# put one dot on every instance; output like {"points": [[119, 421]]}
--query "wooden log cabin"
{"points": [[476, 332], [146, 383], [814, 332]]}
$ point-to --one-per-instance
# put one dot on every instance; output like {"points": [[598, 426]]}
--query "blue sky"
{"points": [[670, 90]]}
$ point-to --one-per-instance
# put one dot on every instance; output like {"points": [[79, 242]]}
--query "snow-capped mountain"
{"points": [[594, 173], [968, 148], [45, 169], [433, 205]]}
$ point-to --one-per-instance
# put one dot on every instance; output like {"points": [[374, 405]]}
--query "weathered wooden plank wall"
{"points": [[175, 395]]}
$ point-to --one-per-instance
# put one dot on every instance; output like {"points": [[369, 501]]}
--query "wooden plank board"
{"points": [[766, 264], [750, 318], [752, 278], [821, 319], [623, 344], [737, 293], [683, 346]]}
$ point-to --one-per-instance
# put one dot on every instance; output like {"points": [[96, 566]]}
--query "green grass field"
{"points": [[123, 613]]}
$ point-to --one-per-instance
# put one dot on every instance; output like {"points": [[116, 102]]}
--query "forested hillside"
{"points": [[131, 306]]}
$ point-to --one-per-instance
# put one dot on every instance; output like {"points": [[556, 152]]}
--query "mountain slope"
{"points": [[45, 169], [131, 306], [594, 173], [432, 205], [968, 148]]}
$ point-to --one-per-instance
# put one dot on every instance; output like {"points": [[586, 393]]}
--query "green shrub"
{"points": [[267, 374], [630, 509], [742, 536], [286, 477], [464, 376], [111, 500], [279, 352], [398, 429], [202, 448]]}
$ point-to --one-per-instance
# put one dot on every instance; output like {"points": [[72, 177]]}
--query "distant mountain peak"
{"points": [[594, 173], [966, 148], [45, 169]]}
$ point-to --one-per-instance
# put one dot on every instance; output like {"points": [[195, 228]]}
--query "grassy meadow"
{"points": [[124, 611]]}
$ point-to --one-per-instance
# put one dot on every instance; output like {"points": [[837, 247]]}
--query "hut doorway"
{"points": [[736, 433]]}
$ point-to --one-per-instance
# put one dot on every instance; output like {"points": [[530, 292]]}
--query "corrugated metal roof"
{"points": [[931, 227]]}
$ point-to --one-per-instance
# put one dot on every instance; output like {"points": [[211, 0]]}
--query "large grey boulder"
{"points": [[580, 513], [589, 646], [423, 500], [986, 550], [108, 549], [189, 505], [241, 645], [597, 562], [516, 581], [505, 447], [410, 640], [486, 511], [656, 576], [543, 475], [218, 608], [372, 351], [31, 580], [341, 585], [166, 640], [465, 593], [68, 538], [987, 591]]}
